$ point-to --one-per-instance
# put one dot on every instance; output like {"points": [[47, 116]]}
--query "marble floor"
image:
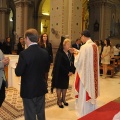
{"points": [[109, 90]]}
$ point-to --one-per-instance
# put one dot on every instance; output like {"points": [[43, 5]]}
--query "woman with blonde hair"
{"points": [[63, 68]]}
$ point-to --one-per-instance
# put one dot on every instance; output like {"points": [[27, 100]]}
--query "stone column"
{"points": [[22, 17], [65, 19], [102, 12], [4, 20], [94, 19], [56, 21], [75, 19]]}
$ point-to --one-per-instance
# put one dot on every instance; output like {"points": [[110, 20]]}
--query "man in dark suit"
{"points": [[77, 44], [32, 65]]}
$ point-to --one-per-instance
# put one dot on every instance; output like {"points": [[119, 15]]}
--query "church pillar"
{"points": [[22, 17], [74, 19], [62, 15], [56, 21], [100, 26], [4, 20]]}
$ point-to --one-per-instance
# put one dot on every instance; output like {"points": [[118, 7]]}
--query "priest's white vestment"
{"points": [[87, 78]]}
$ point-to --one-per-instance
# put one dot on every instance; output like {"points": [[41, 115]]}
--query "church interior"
{"points": [[59, 18]]}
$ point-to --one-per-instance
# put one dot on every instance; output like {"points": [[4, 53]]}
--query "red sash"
{"points": [[95, 66], [77, 86]]}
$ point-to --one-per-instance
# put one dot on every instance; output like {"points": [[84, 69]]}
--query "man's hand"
{"points": [[6, 61], [102, 56], [71, 50], [75, 51], [70, 73]]}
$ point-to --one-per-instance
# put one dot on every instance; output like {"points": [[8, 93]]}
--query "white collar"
{"points": [[33, 43], [89, 41]]}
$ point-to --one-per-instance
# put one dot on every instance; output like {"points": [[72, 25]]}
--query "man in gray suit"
{"points": [[3, 62]]}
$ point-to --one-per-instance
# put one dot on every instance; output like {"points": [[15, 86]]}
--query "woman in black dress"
{"points": [[45, 44], [20, 45], [7, 47], [63, 68]]}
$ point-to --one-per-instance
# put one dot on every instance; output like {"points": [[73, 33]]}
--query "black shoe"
{"points": [[65, 103], [60, 106]]}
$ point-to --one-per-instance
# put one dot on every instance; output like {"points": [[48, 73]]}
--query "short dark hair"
{"points": [[32, 34], [86, 33], [77, 39]]}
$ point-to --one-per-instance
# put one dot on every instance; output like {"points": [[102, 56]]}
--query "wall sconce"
{"points": [[11, 19], [47, 14]]}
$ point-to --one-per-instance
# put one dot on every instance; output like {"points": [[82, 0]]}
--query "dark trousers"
{"points": [[34, 108], [2, 94]]}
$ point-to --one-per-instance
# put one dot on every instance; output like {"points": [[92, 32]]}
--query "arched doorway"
{"points": [[44, 17], [12, 21], [85, 14]]}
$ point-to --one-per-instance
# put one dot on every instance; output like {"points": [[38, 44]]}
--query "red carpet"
{"points": [[105, 112]]}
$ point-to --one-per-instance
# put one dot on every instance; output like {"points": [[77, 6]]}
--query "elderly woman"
{"points": [[63, 68]]}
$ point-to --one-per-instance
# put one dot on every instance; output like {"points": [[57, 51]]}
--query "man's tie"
{"points": [[77, 46]]}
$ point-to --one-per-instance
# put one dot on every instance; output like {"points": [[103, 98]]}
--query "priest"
{"points": [[87, 75]]}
